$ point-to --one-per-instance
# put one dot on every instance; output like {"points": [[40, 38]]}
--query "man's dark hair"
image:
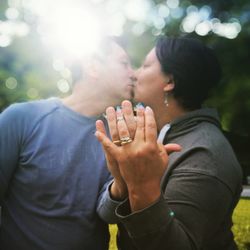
{"points": [[103, 51], [194, 67]]}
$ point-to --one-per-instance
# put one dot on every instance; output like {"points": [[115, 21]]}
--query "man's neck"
{"points": [[88, 102]]}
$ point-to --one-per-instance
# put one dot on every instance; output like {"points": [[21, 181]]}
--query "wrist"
{"points": [[142, 196], [118, 190]]}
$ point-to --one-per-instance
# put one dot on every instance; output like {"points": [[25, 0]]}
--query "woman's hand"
{"points": [[142, 162]]}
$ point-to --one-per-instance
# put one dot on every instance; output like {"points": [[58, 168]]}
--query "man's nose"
{"points": [[132, 74], [133, 78]]}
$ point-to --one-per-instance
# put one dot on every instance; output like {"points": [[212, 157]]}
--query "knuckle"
{"points": [[139, 153], [123, 133], [114, 135], [140, 125], [151, 125], [151, 149]]}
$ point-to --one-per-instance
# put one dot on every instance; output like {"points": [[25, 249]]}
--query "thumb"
{"points": [[107, 145], [172, 147]]}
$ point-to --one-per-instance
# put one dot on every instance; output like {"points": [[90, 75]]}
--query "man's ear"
{"points": [[92, 68], [170, 84]]}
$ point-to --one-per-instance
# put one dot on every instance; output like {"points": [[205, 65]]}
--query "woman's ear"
{"points": [[170, 83]]}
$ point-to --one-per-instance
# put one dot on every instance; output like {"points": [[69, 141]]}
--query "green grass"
{"points": [[241, 228], [113, 231]]}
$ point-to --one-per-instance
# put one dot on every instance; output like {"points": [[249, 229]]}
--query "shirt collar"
{"points": [[163, 132]]}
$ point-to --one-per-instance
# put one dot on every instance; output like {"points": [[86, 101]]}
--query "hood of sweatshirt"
{"points": [[186, 123]]}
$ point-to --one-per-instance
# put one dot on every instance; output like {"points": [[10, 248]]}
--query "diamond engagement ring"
{"points": [[125, 140]]}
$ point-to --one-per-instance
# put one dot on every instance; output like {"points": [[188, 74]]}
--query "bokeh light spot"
{"points": [[11, 83], [5, 40], [173, 3], [12, 13], [63, 86], [32, 93]]}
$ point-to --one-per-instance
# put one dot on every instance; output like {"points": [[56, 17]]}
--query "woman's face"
{"points": [[149, 87]]}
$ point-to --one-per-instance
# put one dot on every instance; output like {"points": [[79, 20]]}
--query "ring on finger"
{"points": [[120, 118], [125, 140], [117, 142]]}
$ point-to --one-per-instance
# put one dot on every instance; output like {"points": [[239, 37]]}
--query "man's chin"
{"points": [[135, 97], [128, 96]]}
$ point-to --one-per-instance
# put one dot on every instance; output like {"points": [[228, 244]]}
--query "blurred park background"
{"points": [[38, 38]]}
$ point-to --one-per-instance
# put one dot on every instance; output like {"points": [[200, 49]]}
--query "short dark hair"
{"points": [[194, 66]]}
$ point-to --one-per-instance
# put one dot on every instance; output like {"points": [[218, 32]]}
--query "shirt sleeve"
{"points": [[107, 206], [191, 209], [10, 141]]}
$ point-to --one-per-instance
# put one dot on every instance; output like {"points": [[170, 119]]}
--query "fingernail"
{"points": [[126, 103], [118, 108], [149, 109]]}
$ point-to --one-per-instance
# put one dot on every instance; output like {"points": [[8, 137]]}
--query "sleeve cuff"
{"points": [[106, 209], [146, 221]]}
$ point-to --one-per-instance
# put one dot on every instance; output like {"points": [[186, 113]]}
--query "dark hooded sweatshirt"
{"points": [[200, 190]]}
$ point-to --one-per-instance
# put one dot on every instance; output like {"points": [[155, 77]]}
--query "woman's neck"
{"points": [[166, 114]]}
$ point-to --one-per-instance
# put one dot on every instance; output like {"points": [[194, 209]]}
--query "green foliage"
{"points": [[32, 71]]}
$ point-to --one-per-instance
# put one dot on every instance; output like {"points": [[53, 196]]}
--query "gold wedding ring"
{"points": [[117, 142]]}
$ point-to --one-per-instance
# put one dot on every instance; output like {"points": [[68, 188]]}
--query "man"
{"points": [[52, 168]]}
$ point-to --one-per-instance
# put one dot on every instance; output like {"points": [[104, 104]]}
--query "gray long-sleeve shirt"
{"points": [[200, 189]]}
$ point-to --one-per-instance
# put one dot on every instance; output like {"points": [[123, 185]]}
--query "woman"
{"points": [[184, 200]]}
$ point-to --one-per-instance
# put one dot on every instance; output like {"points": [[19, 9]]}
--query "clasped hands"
{"points": [[134, 157]]}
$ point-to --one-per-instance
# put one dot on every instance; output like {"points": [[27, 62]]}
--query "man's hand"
{"points": [[119, 187]]}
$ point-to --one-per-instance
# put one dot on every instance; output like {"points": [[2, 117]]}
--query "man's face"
{"points": [[118, 75]]}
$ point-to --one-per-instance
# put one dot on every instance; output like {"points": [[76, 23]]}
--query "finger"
{"points": [[121, 125], [109, 147], [150, 126], [127, 110], [140, 122], [162, 150], [112, 123], [172, 147], [100, 126]]}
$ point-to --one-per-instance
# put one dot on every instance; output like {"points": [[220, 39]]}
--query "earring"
{"points": [[166, 99]]}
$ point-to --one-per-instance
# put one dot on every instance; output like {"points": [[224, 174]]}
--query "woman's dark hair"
{"points": [[194, 67]]}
